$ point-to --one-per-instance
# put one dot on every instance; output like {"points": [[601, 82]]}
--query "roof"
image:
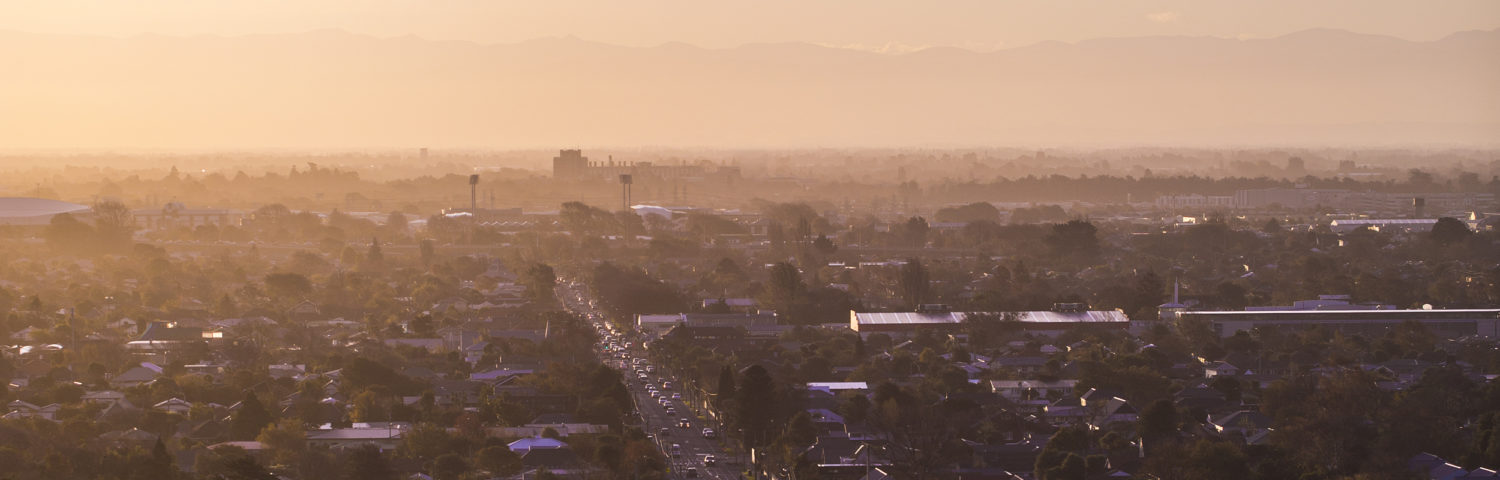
{"points": [[356, 434], [1034, 316], [837, 386], [549, 457], [1436, 314], [162, 332], [34, 211], [527, 444], [999, 384]]}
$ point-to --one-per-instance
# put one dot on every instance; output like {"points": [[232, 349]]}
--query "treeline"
{"points": [[1116, 189]]}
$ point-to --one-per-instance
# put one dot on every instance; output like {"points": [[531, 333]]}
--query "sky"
{"points": [[350, 74], [882, 25]]}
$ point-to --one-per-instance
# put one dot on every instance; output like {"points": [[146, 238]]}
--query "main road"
{"points": [[691, 452]]}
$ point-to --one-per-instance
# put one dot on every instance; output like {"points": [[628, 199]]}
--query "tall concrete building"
{"points": [[569, 164], [572, 165]]}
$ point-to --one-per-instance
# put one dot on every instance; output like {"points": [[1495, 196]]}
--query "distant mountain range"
{"points": [[333, 89]]}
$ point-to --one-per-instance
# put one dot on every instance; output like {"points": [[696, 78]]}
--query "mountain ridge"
{"points": [[332, 88]]}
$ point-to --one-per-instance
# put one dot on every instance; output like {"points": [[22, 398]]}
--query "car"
{"points": [[676, 450], [671, 411], [677, 396], [684, 423], [666, 385], [653, 393], [709, 433], [691, 472], [665, 431], [709, 460]]}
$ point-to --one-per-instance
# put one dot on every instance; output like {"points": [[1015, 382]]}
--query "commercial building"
{"points": [[24, 212], [1369, 323], [175, 214], [572, 165], [659, 324], [937, 318]]}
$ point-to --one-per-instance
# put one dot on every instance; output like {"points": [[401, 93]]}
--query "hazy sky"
{"points": [[871, 24]]}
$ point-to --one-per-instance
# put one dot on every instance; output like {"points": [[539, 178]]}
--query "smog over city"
{"points": [[835, 239]]}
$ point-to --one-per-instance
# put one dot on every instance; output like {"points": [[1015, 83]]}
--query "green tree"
{"points": [[785, 288], [913, 233], [66, 234], [285, 439], [249, 419], [1076, 239], [1159, 420], [1449, 231], [374, 257], [756, 405], [115, 225], [726, 386], [824, 246], [449, 466], [498, 460], [288, 285], [427, 250], [540, 281], [913, 283], [366, 463]]}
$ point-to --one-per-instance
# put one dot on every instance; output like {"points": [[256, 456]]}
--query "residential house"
{"points": [[174, 405], [146, 372], [386, 435]]}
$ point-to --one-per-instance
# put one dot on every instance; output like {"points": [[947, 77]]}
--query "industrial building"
{"points": [[938, 318], [1369, 323], [572, 165], [659, 324]]}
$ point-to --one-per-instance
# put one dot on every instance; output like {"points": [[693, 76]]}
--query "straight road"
{"points": [[686, 448]]}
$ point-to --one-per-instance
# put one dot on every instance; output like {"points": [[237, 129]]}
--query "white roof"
{"points": [[837, 386], [23, 210]]}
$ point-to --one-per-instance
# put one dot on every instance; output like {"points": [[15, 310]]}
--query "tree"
{"points": [[1077, 238], [973, 212], [913, 233], [285, 439], [824, 246], [249, 419], [1159, 420], [1149, 293], [288, 285], [913, 282], [232, 463], [427, 250], [448, 466], [366, 463], [115, 225], [800, 431], [540, 282], [726, 386], [498, 460], [161, 465], [1272, 226], [374, 256], [1449, 230], [756, 405], [785, 288], [65, 233], [396, 222]]}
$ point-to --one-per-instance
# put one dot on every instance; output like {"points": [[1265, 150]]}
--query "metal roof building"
{"points": [[35, 211], [1450, 323], [1061, 317]]}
